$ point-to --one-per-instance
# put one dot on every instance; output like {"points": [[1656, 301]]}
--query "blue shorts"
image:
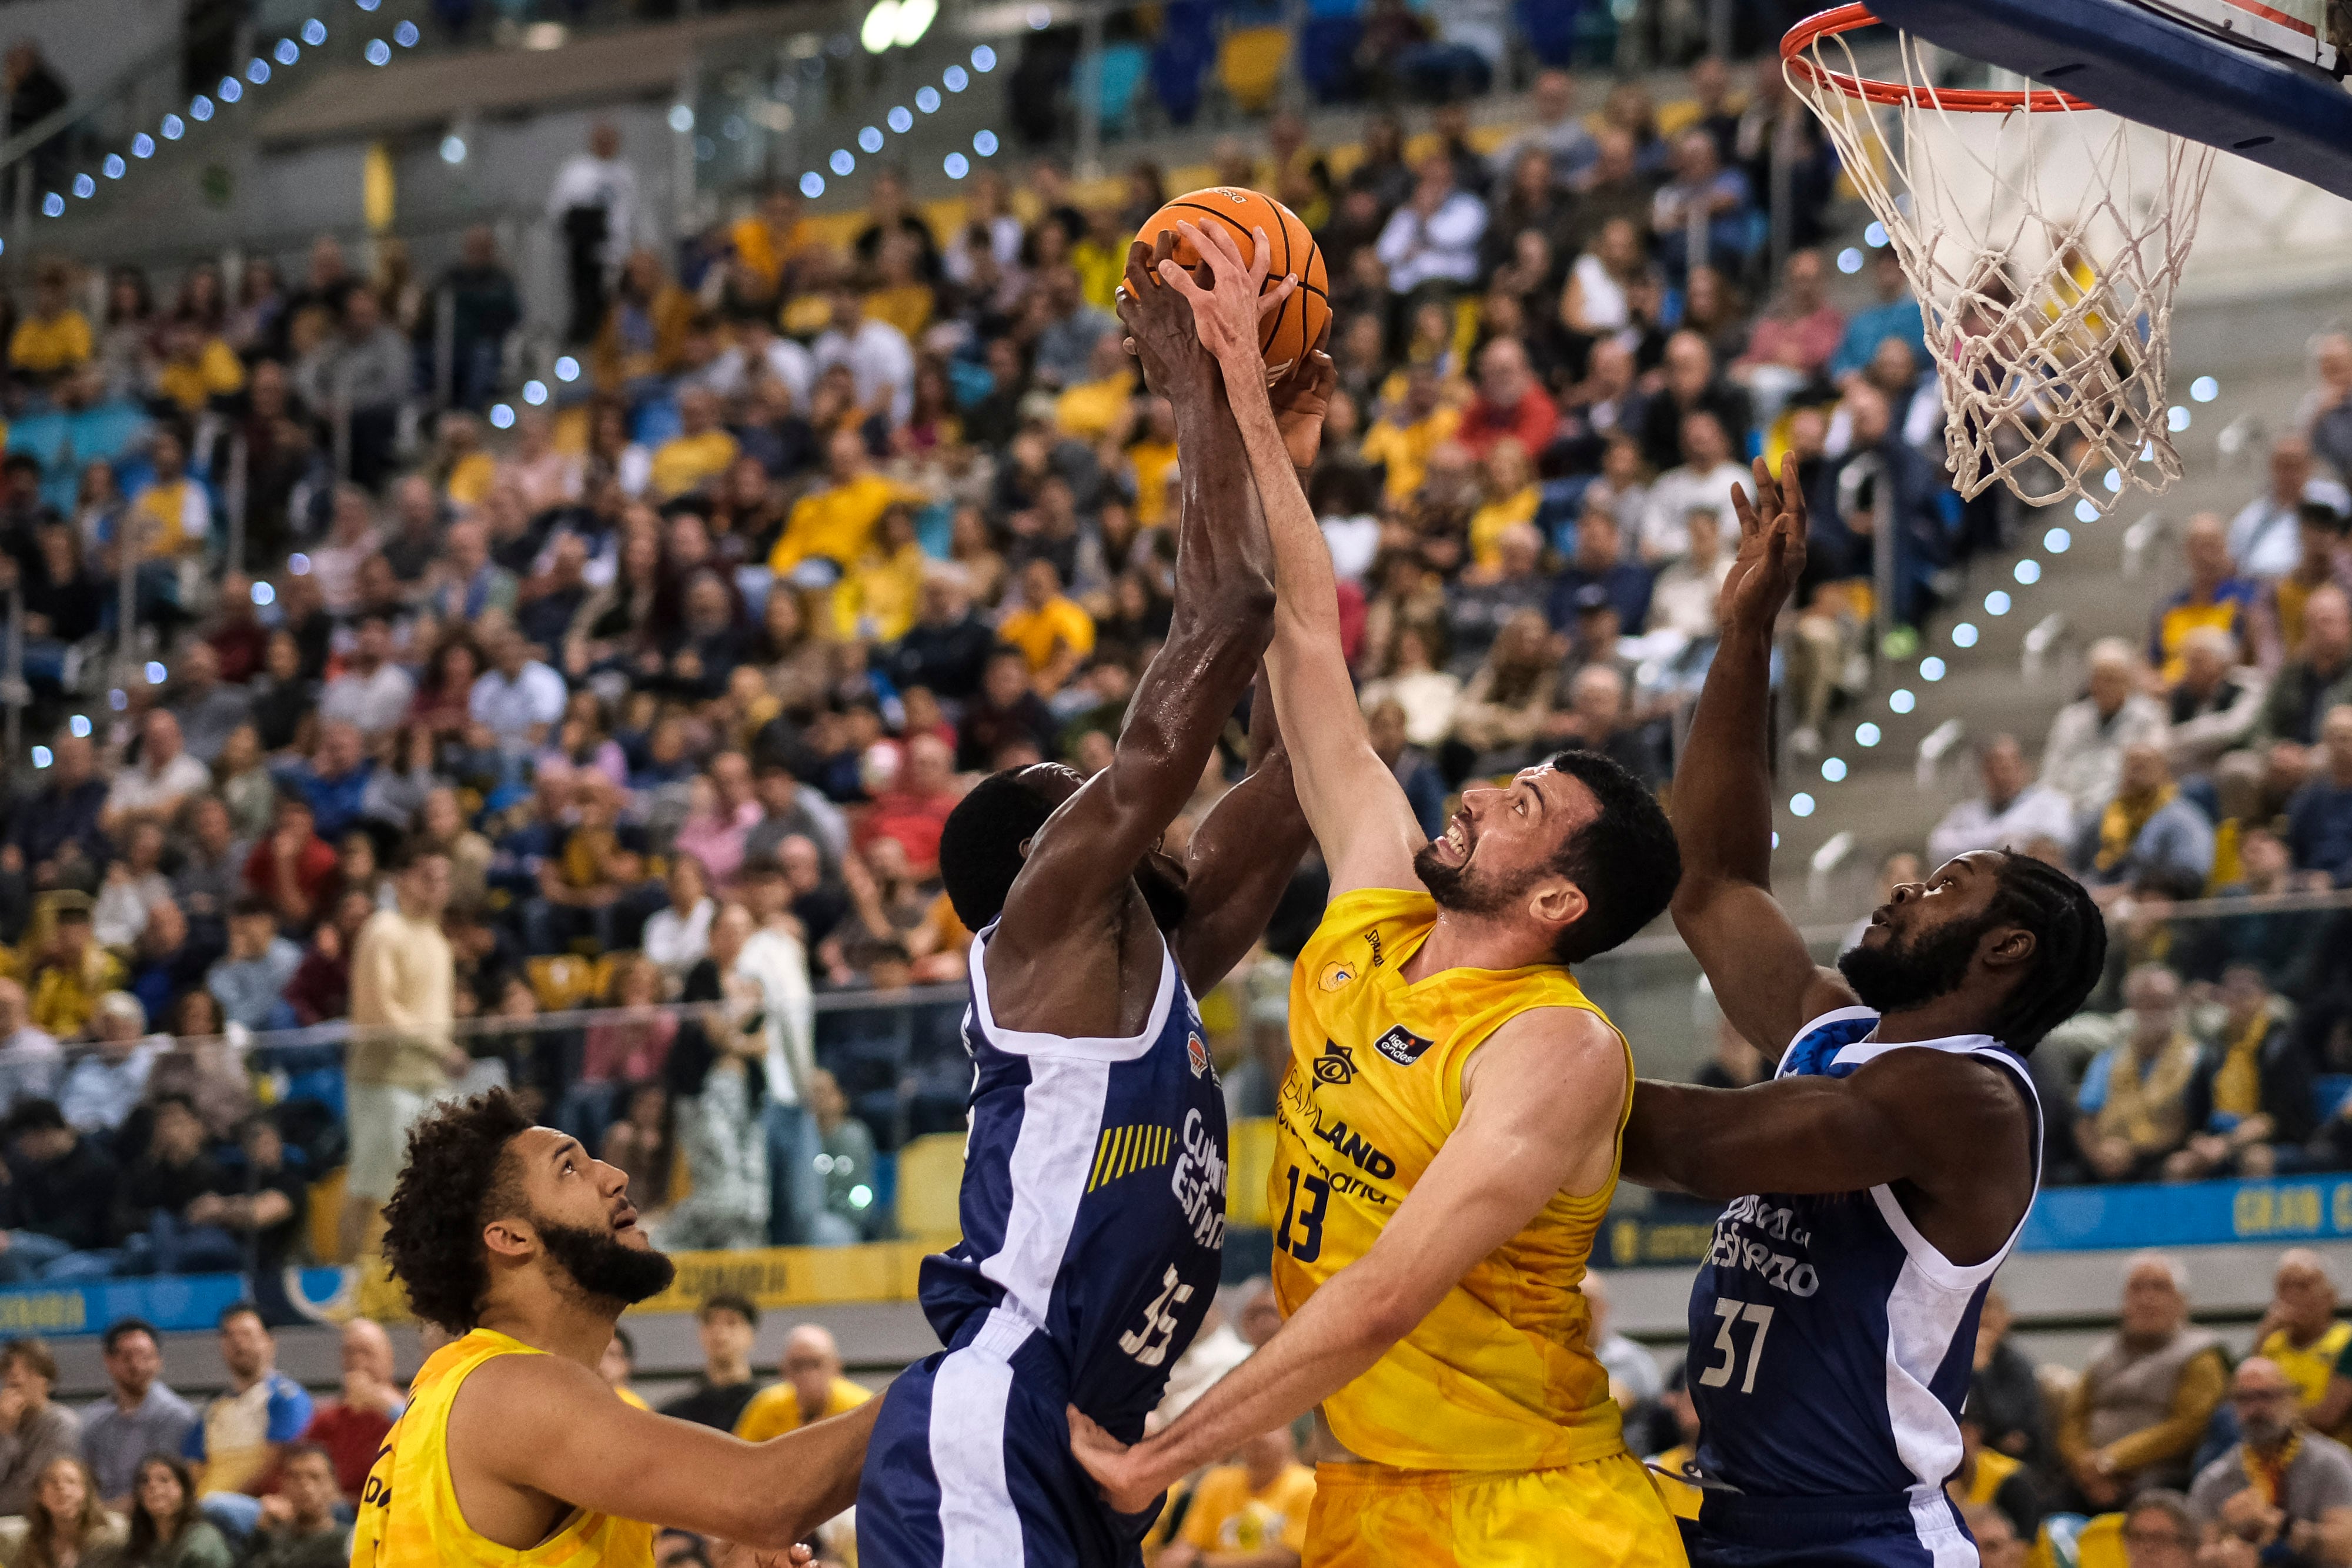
{"points": [[970, 1465], [1921, 1530]]}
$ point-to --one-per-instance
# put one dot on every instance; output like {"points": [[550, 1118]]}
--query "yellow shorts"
{"points": [[1603, 1513]]}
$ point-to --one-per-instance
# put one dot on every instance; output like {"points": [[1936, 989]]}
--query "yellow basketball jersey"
{"points": [[408, 1514], [1501, 1375]]}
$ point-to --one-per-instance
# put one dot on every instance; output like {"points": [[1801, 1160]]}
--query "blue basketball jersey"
{"points": [[1094, 1197], [1830, 1344]]}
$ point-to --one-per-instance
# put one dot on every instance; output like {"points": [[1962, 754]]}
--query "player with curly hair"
{"points": [[513, 1449]]}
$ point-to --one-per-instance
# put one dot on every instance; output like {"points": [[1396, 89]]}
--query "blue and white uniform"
{"points": [[1831, 1346], [1094, 1220]]}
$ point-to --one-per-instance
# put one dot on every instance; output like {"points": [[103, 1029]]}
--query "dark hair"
{"points": [[175, 1097], [2070, 948], [293, 1451], [1625, 860], [2320, 515], [33, 1355], [979, 848], [457, 1178], [123, 1329], [235, 1310], [150, 1535], [728, 1301]]}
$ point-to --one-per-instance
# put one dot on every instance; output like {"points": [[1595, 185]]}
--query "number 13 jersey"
{"points": [[1830, 1343], [1501, 1375]]}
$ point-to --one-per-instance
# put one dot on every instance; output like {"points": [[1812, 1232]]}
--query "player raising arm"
{"points": [[1446, 1136], [512, 1448], [1884, 1175], [1093, 1182]]}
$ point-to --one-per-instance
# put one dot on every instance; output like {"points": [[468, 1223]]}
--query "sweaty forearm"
{"points": [[815, 1471], [1327, 1344], [1306, 590], [1722, 802], [1224, 562]]}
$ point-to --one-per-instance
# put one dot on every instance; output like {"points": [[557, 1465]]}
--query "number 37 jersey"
{"points": [[1094, 1197], [1501, 1375], [1830, 1343]]}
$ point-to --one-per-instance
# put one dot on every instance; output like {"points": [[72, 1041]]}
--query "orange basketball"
{"points": [[1290, 331]]}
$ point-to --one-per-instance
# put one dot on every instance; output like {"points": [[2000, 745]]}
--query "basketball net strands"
{"points": [[2044, 254]]}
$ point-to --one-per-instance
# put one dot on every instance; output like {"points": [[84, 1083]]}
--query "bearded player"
{"points": [[1093, 1187], [1877, 1182], [512, 1451], [1447, 1138]]}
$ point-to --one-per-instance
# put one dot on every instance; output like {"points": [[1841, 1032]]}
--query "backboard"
{"points": [[2272, 99]]}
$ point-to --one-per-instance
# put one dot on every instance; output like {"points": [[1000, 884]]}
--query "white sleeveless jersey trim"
{"points": [[1933, 1295], [1102, 1049]]}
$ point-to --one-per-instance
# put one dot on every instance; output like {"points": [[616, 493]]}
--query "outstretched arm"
{"points": [[1814, 1133], [1241, 857], [1224, 614], [1764, 979], [1541, 1103], [543, 1425], [1358, 810]]}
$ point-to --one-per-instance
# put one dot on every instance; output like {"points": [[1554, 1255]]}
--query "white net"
{"points": [[2044, 257]]}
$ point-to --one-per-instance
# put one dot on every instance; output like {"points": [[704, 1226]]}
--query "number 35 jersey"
{"points": [[1830, 1343], [1094, 1196], [1501, 1377]]}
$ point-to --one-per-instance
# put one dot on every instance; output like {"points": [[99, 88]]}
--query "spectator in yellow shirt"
{"points": [[1403, 439], [813, 1388], [700, 452], [197, 368], [1092, 408], [465, 470], [170, 515], [70, 970], [54, 341], [645, 331], [770, 240], [2300, 1331], [899, 295], [1051, 631], [1153, 459], [838, 520], [878, 597], [1249, 1515]]}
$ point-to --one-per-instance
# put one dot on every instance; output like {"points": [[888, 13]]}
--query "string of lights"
{"points": [[843, 162], [233, 88], [1931, 667]]}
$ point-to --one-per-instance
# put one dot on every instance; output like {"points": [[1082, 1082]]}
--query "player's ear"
{"points": [[1025, 843], [2008, 947], [511, 1238], [1558, 901]]}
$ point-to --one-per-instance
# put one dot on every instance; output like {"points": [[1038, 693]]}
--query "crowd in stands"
{"points": [[2201, 777], [664, 693]]}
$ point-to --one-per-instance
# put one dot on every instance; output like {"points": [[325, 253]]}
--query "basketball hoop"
{"points": [[2043, 263]]}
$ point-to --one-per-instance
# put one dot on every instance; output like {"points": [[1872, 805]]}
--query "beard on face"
{"points": [[1909, 974], [1456, 888], [602, 1265]]}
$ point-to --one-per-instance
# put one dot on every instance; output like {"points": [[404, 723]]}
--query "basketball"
{"points": [[1289, 332]]}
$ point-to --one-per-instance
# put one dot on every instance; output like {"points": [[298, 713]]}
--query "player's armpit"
{"points": [[546, 1425]]}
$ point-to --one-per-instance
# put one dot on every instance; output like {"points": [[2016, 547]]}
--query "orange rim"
{"points": [[1796, 52]]}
